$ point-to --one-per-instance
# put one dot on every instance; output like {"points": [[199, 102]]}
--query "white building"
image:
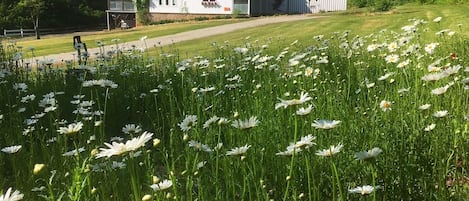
{"points": [[177, 9]]}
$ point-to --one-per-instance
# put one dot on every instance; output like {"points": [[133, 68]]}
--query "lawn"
{"points": [[355, 106], [358, 21], [55, 44]]}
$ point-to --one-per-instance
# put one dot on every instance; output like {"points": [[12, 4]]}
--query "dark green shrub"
{"points": [[384, 5]]}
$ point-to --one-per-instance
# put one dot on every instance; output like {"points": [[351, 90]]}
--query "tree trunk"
{"points": [[36, 28]]}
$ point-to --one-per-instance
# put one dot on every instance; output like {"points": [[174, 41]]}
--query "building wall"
{"points": [[179, 16], [269, 7], [222, 7]]}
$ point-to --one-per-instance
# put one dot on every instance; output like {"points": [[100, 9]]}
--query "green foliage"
{"points": [[362, 3], [60, 13], [143, 13], [384, 5], [201, 18]]}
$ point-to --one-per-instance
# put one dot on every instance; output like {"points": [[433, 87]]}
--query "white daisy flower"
{"points": [[434, 76], [325, 124], [163, 185], [285, 103], [331, 151], [238, 150], [74, 152], [304, 143], [385, 105], [213, 119], [118, 148], [430, 127], [304, 111], [71, 129], [441, 113], [131, 129], [437, 19], [386, 76], [188, 123], [9, 196], [392, 58], [424, 106], [11, 149], [440, 90], [199, 146], [246, 124], [363, 190], [366, 155], [430, 48]]}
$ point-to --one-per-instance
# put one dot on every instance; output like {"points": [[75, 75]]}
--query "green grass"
{"points": [[360, 22], [221, 126], [55, 44]]}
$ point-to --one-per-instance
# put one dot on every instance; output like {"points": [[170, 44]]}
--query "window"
{"points": [[161, 2], [167, 2], [209, 2]]}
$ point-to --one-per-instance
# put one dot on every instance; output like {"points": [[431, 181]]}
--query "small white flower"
{"points": [[74, 152], [385, 105], [430, 127], [165, 184], [430, 48], [437, 19], [424, 107], [210, 121], [393, 58], [238, 150], [118, 148], [331, 151], [285, 103], [11, 149], [441, 113], [199, 146], [325, 124], [246, 124], [9, 196], [131, 129], [434, 76], [440, 90], [403, 90], [372, 47], [363, 190], [365, 155], [304, 111], [71, 129], [188, 123], [386, 76]]}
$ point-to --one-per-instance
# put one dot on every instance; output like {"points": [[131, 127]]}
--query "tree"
{"points": [[35, 8]]}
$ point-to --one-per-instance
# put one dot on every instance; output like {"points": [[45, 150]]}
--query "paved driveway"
{"points": [[189, 35]]}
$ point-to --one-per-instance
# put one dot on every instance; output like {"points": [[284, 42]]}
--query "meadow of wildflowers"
{"points": [[382, 116]]}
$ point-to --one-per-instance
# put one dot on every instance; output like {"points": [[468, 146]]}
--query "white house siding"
{"points": [[328, 5], [222, 7], [262, 7]]}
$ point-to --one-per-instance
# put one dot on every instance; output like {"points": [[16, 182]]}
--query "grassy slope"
{"points": [[360, 23], [63, 43]]}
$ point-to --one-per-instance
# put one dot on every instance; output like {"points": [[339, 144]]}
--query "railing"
{"points": [[121, 5], [30, 32], [19, 32]]}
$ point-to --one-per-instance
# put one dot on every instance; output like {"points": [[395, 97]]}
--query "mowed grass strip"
{"points": [[55, 44]]}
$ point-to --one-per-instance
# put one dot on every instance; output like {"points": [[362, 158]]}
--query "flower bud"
{"points": [[38, 168]]}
